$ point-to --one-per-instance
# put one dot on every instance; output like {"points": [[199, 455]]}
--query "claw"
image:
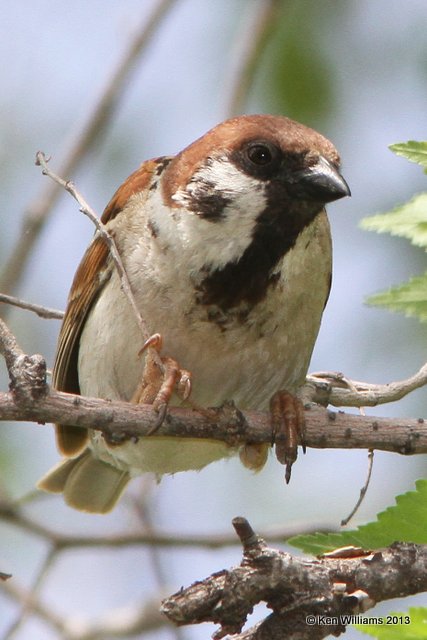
{"points": [[159, 382], [161, 410], [184, 384], [288, 428], [155, 341]]}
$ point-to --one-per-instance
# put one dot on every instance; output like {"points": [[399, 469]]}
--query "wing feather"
{"points": [[92, 274]]}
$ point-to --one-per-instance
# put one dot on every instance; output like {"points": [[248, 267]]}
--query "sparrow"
{"points": [[227, 249]]}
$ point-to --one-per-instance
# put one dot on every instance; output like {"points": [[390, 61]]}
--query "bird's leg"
{"points": [[160, 380], [288, 428]]}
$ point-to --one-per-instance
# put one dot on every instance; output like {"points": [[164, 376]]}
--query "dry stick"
{"points": [[342, 391], [83, 140], [10, 512], [363, 491], [31, 399], [365, 394], [46, 613], [87, 210], [41, 311], [27, 603], [120, 421], [121, 623], [352, 387], [308, 598], [249, 48], [9, 347]]}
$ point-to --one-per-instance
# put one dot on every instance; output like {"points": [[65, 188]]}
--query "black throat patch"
{"points": [[247, 281]]}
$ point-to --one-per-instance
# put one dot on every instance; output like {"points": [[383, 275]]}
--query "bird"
{"points": [[227, 250]]}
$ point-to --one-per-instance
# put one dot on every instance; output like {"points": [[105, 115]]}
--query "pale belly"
{"points": [[246, 363]]}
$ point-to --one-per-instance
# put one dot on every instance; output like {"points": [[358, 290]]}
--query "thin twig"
{"points": [[349, 384], [142, 507], [11, 513], [249, 46], [20, 594], [363, 491], [41, 311], [116, 623], [87, 210], [365, 394], [82, 141], [27, 603]]}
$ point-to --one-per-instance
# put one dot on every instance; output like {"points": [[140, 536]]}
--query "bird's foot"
{"points": [[162, 376], [288, 428]]}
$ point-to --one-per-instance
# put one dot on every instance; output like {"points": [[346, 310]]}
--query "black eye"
{"points": [[259, 158], [260, 154]]}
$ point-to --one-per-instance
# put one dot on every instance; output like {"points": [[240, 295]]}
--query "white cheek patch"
{"points": [[223, 239], [220, 176]]}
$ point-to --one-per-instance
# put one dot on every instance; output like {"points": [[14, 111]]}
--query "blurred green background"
{"points": [[357, 71]]}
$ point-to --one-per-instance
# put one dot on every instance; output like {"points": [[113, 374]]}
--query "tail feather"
{"points": [[88, 484]]}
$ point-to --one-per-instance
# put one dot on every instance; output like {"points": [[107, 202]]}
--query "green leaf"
{"points": [[412, 150], [415, 630], [404, 522], [409, 298], [295, 76], [407, 221]]}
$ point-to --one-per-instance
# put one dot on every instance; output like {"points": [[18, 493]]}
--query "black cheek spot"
{"points": [[210, 207], [206, 201]]}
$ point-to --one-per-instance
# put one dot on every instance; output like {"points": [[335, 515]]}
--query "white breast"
{"points": [[247, 362]]}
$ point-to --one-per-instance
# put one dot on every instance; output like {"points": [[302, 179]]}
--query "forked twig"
{"points": [[86, 209]]}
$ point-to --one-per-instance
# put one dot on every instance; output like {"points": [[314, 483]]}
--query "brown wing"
{"points": [[90, 277], [92, 274]]}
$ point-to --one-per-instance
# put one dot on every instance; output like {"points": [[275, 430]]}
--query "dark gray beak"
{"points": [[321, 182]]}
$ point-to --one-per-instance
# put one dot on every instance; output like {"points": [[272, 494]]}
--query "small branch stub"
{"points": [[247, 535], [28, 379], [27, 374]]}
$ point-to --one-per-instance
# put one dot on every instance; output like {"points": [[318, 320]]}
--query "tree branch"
{"points": [[121, 421], [309, 598], [31, 399]]}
